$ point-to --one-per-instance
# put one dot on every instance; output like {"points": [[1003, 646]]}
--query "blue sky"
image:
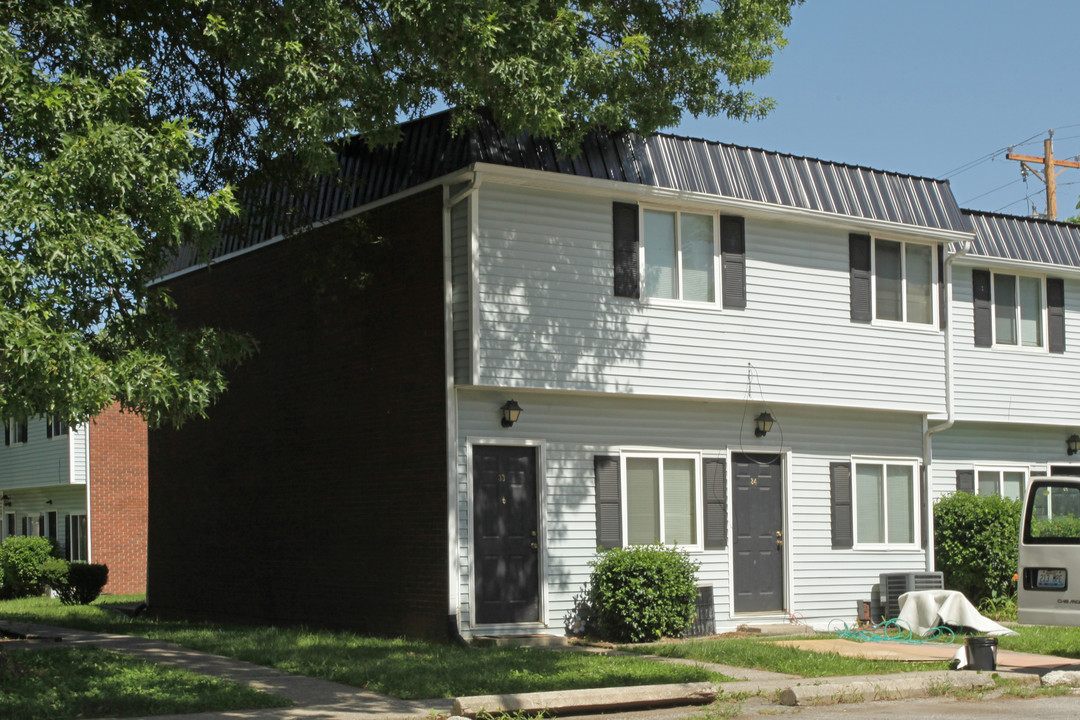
{"points": [[926, 87]]}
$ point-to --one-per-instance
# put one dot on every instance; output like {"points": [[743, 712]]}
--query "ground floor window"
{"points": [[76, 548], [886, 497], [1001, 482], [662, 499]]}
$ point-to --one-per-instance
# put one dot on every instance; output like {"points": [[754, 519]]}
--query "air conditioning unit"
{"points": [[893, 585]]}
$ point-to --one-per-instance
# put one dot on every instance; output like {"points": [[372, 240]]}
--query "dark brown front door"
{"points": [[507, 581], [757, 526]]}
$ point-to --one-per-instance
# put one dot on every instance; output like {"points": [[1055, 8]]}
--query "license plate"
{"points": [[1050, 578]]}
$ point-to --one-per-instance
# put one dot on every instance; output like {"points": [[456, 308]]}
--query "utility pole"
{"points": [[1048, 174]]}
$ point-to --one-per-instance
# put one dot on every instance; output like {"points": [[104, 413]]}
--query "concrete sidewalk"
{"points": [[317, 699]]}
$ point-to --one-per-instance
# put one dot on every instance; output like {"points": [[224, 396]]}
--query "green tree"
{"points": [[124, 127]]}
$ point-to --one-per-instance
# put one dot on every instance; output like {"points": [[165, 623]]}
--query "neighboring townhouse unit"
{"points": [[1016, 352], [646, 304], [83, 487]]}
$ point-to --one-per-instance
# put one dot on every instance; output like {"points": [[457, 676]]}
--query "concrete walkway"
{"points": [[316, 699]]}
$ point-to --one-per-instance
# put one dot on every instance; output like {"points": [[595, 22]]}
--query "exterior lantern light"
{"points": [[511, 411], [6, 500], [1072, 444], [763, 424]]}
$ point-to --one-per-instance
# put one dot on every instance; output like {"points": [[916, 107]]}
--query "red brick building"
{"points": [[86, 488]]}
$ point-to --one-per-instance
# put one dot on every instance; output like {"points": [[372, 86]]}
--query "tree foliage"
{"points": [[125, 125]]}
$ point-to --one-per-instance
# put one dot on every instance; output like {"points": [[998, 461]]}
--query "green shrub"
{"points": [[975, 544], [81, 583], [26, 567], [642, 593]]}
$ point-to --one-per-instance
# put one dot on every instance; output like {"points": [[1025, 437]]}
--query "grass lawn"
{"points": [[765, 654], [1043, 640], [402, 668], [87, 682]]}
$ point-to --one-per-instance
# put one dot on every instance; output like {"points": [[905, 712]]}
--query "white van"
{"points": [[1048, 586]]}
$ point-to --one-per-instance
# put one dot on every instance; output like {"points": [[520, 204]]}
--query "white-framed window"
{"points": [[886, 499], [77, 534], [16, 432], [680, 261], [54, 426], [1001, 481], [1019, 305], [662, 494], [904, 275]]}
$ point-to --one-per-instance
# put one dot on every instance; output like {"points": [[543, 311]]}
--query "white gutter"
{"points": [[950, 417], [452, 500]]}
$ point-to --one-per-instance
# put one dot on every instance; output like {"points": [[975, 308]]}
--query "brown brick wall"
{"points": [[118, 498], [316, 490]]}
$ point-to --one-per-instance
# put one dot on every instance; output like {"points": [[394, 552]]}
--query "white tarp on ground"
{"points": [[923, 610]]}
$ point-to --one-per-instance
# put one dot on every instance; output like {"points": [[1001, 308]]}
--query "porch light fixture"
{"points": [[511, 411], [1072, 444], [6, 500], [763, 424], [48, 502]]}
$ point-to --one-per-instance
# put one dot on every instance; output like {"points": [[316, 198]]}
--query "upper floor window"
{"points": [[55, 426], [903, 281], [892, 280], [662, 499], [886, 498], [1018, 310], [15, 432], [680, 256]]}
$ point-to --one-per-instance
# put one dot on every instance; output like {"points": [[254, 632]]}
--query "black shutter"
{"points": [[41, 526], [984, 314], [624, 225], [715, 503], [859, 260], [843, 533], [7, 433], [51, 529], [67, 538], [608, 505], [25, 528], [1055, 309], [23, 427], [733, 260], [965, 481], [943, 292], [48, 426]]}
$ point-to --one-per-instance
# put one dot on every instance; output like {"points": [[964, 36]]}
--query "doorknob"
{"points": [[534, 546], [779, 540]]}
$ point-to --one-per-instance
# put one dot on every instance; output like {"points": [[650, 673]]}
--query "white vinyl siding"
{"points": [[1011, 383], [824, 583], [548, 317], [41, 461], [994, 446]]}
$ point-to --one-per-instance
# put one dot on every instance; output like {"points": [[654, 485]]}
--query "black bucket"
{"points": [[981, 653]]}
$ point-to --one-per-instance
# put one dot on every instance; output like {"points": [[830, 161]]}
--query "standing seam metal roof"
{"points": [[428, 150], [1025, 239]]}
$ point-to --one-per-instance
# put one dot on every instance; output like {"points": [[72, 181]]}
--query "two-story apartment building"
{"points": [[83, 487], [745, 354], [1015, 352]]}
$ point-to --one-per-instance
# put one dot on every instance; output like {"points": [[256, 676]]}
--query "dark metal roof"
{"points": [[1026, 239], [428, 150]]}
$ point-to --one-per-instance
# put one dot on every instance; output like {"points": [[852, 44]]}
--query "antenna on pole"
{"points": [[1048, 174]]}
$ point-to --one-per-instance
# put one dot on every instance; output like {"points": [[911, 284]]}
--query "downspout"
{"points": [[950, 416], [452, 500]]}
